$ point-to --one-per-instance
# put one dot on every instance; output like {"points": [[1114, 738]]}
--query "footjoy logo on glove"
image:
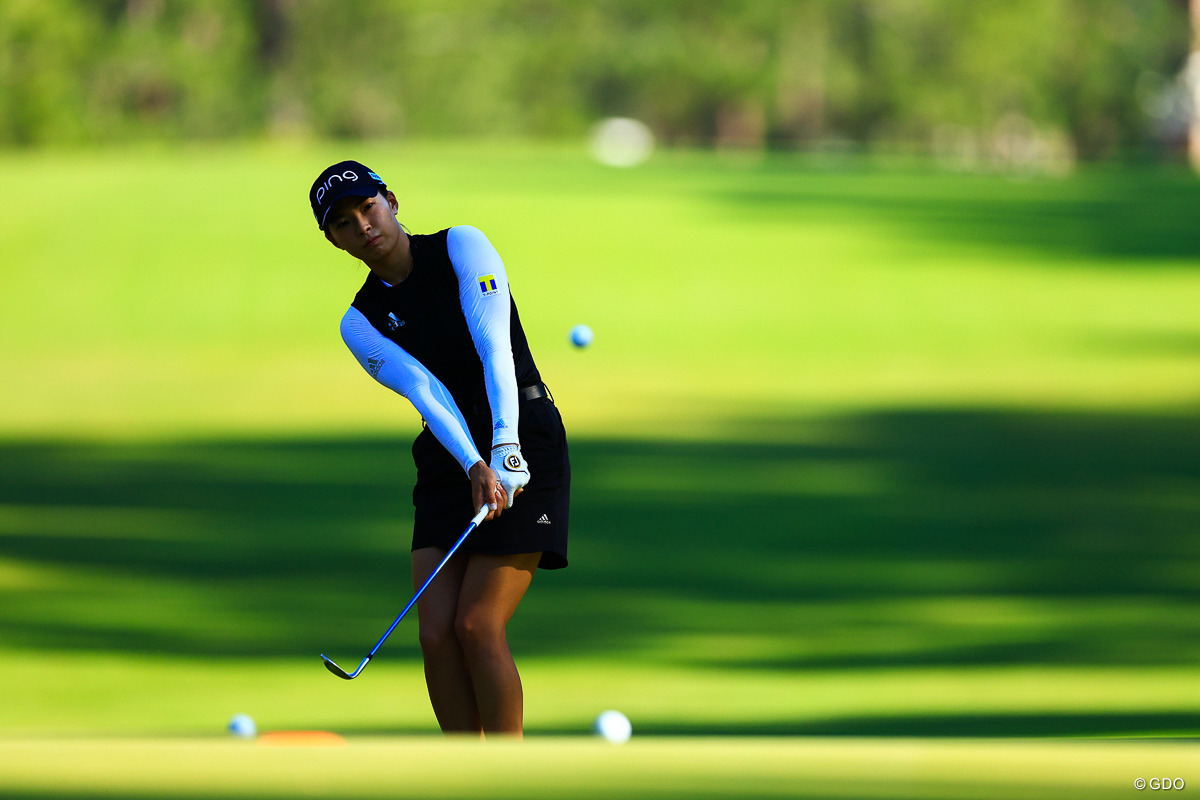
{"points": [[513, 462]]}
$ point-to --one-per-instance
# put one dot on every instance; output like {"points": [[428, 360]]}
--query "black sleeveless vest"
{"points": [[423, 314]]}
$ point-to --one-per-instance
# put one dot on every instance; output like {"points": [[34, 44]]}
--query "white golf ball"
{"points": [[242, 725], [613, 726], [581, 336]]}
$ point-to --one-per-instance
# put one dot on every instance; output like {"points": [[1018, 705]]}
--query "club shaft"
{"points": [[483, 512]]}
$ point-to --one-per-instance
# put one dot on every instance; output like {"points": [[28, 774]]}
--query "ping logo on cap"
{"points": [[487, 284], [348, 175]]}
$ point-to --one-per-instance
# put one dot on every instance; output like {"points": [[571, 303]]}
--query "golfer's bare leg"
{"points": [[491, 590], [449, 682]]}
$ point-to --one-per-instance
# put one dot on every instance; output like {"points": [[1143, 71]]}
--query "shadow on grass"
{"points": [[1023, 724], [901, 539], [1016, 725], [1113, 213]]}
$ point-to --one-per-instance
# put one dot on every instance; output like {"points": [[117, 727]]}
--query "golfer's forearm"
{"points": [[500, 378], [441, 414]]}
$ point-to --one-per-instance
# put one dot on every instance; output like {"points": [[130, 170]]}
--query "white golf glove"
{"points": [[511, 469]]}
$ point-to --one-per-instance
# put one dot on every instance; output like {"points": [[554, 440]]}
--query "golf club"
{"points": [[341, 673]]}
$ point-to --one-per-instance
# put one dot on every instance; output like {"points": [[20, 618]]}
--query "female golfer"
{"points": [[435, 322]]}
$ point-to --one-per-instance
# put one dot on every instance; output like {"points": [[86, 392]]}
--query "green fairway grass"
{"points": [[662, 768], [869, 460], [153, 293]]}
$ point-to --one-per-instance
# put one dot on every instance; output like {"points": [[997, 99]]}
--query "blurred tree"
{"points": [[736, 73], [45, 50], [176, 69]]}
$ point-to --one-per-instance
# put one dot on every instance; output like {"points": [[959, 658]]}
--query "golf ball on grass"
{"points": [[243, 726], [614, 727], [581, 336]]}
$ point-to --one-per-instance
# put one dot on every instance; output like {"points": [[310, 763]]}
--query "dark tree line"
{"points": [[778, 73]]}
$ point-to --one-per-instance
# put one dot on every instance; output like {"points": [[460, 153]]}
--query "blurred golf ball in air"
{"points": [[621, 142], [581, 336], [613, 726], [242, 725]]}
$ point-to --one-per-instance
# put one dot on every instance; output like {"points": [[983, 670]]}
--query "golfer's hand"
{"points": [[486, 490], [511, 470]]}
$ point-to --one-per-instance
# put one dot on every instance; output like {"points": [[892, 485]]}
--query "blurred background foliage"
{"points": [[1076, 78]]}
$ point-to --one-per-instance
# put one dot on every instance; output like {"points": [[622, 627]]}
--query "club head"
{"points": [[334, 668]]}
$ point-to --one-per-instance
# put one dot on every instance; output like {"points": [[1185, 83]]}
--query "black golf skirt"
{"points": [[538, 518]]}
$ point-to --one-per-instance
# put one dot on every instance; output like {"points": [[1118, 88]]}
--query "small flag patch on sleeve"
{"points": [[487, 284]]}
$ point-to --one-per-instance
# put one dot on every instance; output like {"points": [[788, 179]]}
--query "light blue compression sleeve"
{"points": [[483, 291], [394, 367]]}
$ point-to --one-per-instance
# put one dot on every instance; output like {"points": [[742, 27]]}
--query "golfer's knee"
{"points": [[436, 638], [478, 633]]}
